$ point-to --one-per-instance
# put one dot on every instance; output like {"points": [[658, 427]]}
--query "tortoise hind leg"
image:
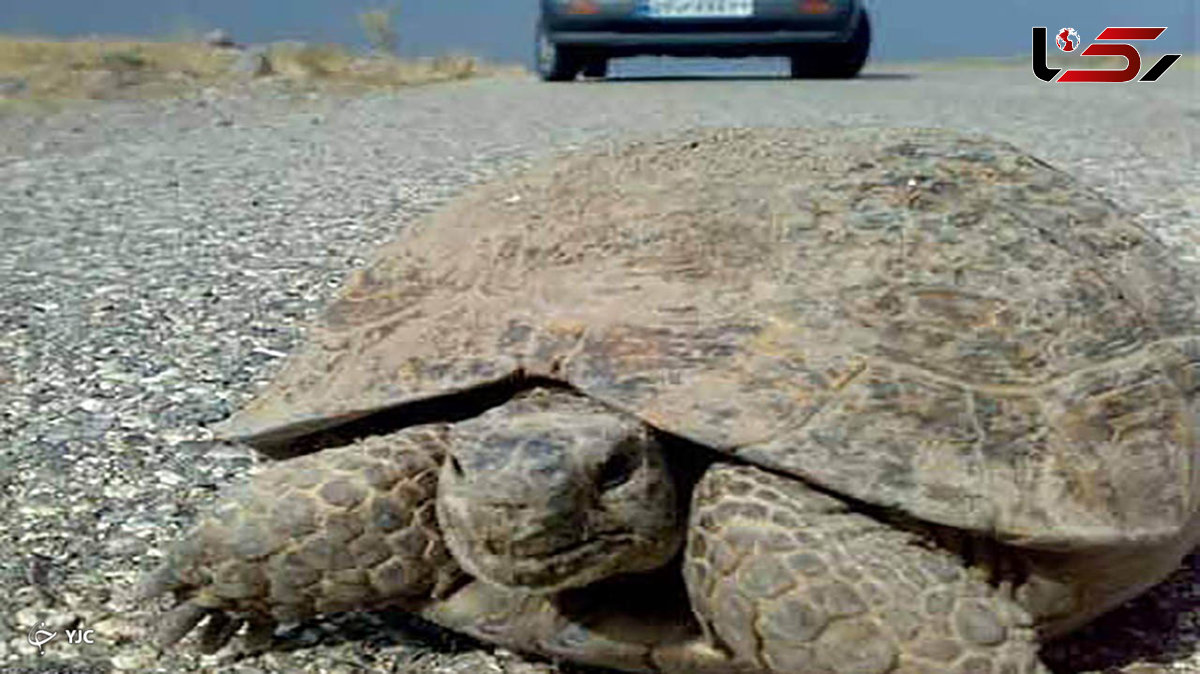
{"points": [[791, 580], [343, 529]]}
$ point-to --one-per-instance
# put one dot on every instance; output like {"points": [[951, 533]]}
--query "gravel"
{"points": [[159, 259]]}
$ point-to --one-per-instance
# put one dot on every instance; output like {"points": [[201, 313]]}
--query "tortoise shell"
{"points": [[917, 319]]}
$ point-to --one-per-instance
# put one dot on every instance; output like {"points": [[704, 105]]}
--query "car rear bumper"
{"points": [[619, 29], [695, 43]]}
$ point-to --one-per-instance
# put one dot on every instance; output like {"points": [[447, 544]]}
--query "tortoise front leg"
{"points": [[343, 529], [788, 579]]}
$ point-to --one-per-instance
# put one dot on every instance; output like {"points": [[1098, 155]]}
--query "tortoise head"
{"points": [[553, 490]]}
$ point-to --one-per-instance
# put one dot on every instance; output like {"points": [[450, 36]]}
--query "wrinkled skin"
{"points": [[553, 491]]}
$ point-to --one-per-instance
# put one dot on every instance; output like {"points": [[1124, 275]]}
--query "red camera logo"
{"points": [[1068, 41]]}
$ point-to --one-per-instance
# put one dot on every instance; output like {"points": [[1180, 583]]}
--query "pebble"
{"points": [[133, 660], [61, 621]]}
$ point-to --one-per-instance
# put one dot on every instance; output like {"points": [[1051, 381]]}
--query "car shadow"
{"points": [[887, 76], [725, 77]]}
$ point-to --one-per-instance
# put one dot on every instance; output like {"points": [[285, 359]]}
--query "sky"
{"points": [[502, 29]]}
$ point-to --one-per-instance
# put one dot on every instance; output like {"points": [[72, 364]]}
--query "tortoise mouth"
{"points": [[575, 564]]}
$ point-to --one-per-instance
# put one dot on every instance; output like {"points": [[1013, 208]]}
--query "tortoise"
{"points": [[739, 400]]}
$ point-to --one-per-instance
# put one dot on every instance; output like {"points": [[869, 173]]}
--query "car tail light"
{"points": [[582, 7], [815, 6]]}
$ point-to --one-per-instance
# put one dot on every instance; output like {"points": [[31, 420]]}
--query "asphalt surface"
{"points": [[159, 259]]}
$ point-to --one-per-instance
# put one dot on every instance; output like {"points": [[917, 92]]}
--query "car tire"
{"points": [[555, 63], [837, 60], [596, 67]]}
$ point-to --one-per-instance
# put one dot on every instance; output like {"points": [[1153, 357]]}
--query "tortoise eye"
{"points": [[616, 470], [456, 467]]}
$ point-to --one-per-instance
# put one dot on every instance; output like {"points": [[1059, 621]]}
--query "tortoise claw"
{"points": [[217, 632], [177, 623], [259, 636], [219, 628]]}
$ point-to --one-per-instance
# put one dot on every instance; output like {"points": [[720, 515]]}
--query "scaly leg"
{"points": [[348, 528], [788, 579]]}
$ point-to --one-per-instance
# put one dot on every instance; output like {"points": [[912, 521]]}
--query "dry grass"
{"points": [[332, 65], [37, 70], [1056, 59], [1188, 62]]}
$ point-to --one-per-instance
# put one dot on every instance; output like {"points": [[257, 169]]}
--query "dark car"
{"points": [[822, 38]]}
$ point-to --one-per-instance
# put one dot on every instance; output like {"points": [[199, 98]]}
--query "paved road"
{"points": [[158, 259]]}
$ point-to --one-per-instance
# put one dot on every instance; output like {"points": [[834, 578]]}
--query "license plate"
{"points": [[693, 9]]}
